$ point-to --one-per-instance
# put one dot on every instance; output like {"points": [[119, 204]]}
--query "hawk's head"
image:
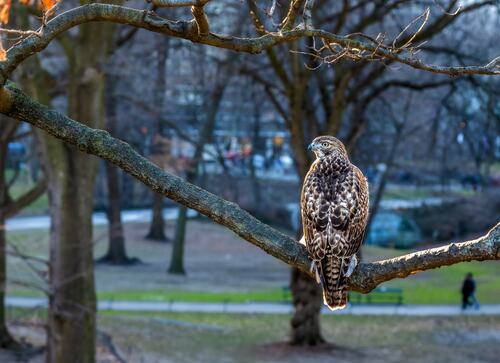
{"points": [[324, 146]]}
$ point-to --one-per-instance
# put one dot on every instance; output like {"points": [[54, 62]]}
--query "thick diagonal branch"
{"points": [[367, 276]]}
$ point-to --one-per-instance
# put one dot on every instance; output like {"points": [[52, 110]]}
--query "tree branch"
{"points": [[370, 275], [14, 206], [366, 277], [189, 30], [289, 20]]}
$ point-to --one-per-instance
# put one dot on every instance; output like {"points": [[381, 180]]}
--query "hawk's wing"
{"points": [[334, 211]]}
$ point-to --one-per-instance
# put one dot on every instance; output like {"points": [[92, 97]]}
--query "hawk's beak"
{"points": [[310, 147]]}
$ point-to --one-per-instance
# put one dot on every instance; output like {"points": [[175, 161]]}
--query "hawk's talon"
{"points": [[352, 266]]}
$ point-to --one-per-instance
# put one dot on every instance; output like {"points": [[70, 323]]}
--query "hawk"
{"points": [[334, 208]]}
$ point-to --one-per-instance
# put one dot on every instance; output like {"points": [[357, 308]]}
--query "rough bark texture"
{"points": [[365, 278], [73, 303], [307, 301]]}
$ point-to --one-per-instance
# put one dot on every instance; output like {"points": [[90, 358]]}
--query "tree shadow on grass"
{"points": [[283, 351], [129, 261]]}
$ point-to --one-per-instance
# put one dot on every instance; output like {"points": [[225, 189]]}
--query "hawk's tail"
{"points": [[332, 271]]}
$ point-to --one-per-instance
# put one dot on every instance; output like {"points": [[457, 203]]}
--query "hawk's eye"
{"points": [[325, 144]]}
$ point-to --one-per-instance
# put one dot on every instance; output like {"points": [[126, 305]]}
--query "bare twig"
{"points": [[424, 17], [293, 11], [21, 33], [308, 14], [358, 49]]}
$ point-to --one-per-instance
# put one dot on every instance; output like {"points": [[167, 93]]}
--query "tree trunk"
{"points": [[177, 261], [389, 162], [157, 227], [72, 306], [116, 254], [71, 176], [307, 295], [71, 180], [206, 133], [307, 301], [6, 340]]}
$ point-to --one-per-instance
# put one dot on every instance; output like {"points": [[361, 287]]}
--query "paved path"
{"points": [[98, 218], [265, 308]]}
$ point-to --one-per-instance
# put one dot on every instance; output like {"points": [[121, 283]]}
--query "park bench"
{"points": [[381, 295]]}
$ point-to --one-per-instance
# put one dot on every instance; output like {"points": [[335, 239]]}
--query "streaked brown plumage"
{"points": [[334, 207]]}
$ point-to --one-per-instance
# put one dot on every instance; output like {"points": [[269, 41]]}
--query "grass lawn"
{"points": [[262, 338], [431, 287], [252, 338], [216, 273], [410, 192]]}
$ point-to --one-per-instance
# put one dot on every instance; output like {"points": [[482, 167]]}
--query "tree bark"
{"points": [[6, 340], [117, 254], [72, 306], [157, 227], [177, 261], [306, 293], [307, 301], [71, 178]]}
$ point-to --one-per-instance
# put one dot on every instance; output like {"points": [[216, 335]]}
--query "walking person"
{"points": [[469, 292]]}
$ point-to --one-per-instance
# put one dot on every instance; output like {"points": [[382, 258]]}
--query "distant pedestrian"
{"points": [[469, 292]]}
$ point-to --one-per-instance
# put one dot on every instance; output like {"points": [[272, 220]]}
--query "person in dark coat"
{"points": [[469, 292]]}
